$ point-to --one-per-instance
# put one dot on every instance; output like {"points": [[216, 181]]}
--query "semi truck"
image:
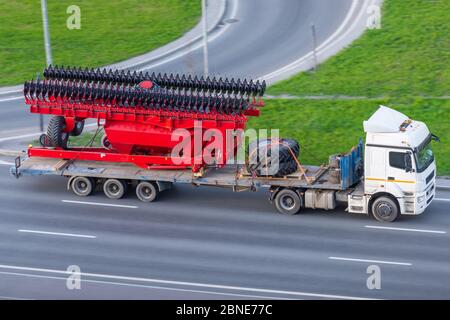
{"points": [[391, 174]]}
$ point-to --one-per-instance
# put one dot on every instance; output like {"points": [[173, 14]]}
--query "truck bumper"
{"points": [[419, 207]]}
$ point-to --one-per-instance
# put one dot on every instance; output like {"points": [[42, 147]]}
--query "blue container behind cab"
{"points": [[351, 165]]}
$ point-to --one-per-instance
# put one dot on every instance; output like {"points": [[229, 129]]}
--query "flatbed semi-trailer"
{"points": [[395, 176], [234, 177]]}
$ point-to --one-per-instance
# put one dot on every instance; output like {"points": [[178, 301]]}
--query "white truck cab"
{"points": [[399, 167]]}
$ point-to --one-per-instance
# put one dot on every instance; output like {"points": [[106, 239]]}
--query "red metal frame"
{"points": [[138, 135], [101, 154]]}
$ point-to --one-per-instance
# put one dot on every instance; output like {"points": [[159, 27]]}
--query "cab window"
{"points": [[397, 160]]}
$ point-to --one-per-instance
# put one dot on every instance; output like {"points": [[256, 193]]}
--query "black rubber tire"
{"points": [[78, 129], [114, 188], [147, 191], [384, 209], [44, 140], [55, 132], [105, 142], [261, 158], [285, 147], [82, 186], [287, 201], [286, 168]]}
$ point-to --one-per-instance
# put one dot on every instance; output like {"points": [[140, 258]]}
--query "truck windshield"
{"points": [[424, 156]]}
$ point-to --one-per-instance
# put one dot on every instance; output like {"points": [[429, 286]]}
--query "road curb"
{"points": [[188, 39], [349, 31], [215, 13]]}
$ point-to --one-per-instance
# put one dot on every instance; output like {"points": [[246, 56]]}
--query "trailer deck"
{"points": [[232, 176]]}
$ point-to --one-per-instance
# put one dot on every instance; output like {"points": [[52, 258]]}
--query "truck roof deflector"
{"points": [[385, 120]]}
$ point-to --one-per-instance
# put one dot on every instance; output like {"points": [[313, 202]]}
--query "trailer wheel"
{"points": [[83, 186], [79, 126], [147, 191], [385, 209], [115, 189], [55, 132], [288, 201]]}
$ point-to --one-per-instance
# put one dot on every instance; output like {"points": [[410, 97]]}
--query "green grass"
{"points": [[408, 56], [326, 127], [88, 138], [397, 65], [111, 31]]}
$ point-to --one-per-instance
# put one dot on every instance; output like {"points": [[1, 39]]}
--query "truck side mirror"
{"points": [[435, 138], [408, 163]]}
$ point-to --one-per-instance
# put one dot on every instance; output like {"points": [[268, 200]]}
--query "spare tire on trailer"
{"points": [[262, 157], [55, 132]]}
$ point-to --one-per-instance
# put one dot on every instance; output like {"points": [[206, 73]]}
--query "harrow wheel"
{"points": [[83, 186], [115, 189], [105, 142], [79, 126], [44, 141], [55, 132], [147, 191]]}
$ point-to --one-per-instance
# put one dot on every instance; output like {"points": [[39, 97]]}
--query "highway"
{"points": [[255, 38], [212, 243]]}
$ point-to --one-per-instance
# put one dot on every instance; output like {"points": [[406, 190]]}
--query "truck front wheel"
{"points": [[385, 209], [287, 201]]}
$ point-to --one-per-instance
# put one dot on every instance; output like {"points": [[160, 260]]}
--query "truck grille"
{"points": [[430, 177]]}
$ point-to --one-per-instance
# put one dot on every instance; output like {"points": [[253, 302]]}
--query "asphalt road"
{"points": [[256, 37], [210, 243], [213, 243], [262, 36]]}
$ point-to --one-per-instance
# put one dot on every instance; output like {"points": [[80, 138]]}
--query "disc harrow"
{"points": [[130, 96], [141, 114], [164, 80]]}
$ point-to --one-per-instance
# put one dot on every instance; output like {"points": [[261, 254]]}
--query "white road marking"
{"points": [[35, 134], [13, 98], [145, 286], [193, 48], [441, 199], [28, 135], [329, 42], [11, 91], [188, 284], [6, 163], [100, 204], [13, 298], [58, 233], [406, 229], [371, 261]]}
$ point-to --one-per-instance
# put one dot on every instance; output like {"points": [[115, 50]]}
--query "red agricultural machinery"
{"points": [[140, 114]]}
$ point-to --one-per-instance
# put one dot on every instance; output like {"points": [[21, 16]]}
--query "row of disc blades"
{"points": [[130, 96], [164, 80]]}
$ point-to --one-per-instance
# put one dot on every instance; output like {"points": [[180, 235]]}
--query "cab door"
{"points": [[400, 172], [375, 169]]}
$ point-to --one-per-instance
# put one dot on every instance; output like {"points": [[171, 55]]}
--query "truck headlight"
{"points": [[420, 199]]}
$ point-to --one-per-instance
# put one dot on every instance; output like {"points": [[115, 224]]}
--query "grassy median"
{"points": [[408, 56], [325, 127], [404, 65], [111, 31]]}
